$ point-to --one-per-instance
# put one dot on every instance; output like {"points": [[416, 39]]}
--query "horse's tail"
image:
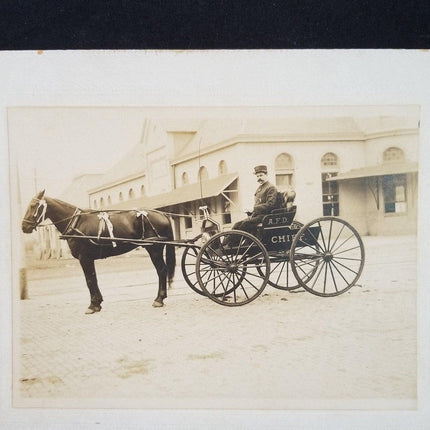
{"points": [[170, 262], [170, 257]]}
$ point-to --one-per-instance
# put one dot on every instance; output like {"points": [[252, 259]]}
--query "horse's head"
{"points": [[35, 213]]}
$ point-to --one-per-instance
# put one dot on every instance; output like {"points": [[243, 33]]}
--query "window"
{"points": [[185, 178], [121, 198], [95, 204], [222, 168], [394, 191], [329, 160], [131, 193], [188, 219], [393, 154], [142, 190], [284, 169], [203, 173], [102, 202], [226, 213], [330, 189], [330, 195]]}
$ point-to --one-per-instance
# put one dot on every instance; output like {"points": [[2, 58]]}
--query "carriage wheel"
{"points": [[233, 268], [327, 256], [281, 275], [188, 266]]}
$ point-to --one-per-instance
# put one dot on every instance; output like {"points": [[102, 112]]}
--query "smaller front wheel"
{"points": [[233, 268]]}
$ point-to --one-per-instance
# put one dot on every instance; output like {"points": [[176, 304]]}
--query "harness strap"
{"points": [[145, 214], [106, 222], [73, 221]]}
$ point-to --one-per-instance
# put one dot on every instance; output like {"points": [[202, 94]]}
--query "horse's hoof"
{"points": [[93, 309], [157, 304]]}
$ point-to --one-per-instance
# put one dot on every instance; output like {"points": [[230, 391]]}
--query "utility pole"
{"points": [[35, 181]]}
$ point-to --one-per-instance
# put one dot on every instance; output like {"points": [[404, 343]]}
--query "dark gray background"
{"points": [[213, 24]]}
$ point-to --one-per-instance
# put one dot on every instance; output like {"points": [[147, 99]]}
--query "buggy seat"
{"points": [[285, 209], [275, 228]]}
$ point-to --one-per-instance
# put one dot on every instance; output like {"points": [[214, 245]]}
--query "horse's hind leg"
{"points": [[156, 254], [91, 278]]}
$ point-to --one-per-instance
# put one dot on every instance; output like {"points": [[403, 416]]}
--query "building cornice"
{"points": [[296, 137], [392, 133]]}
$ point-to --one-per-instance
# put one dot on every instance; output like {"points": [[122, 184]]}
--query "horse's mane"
{"points": [[88, 210], [63, 202]]}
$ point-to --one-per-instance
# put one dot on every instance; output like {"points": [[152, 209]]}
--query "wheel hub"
{"points": [[328, 256], [232, 268]]}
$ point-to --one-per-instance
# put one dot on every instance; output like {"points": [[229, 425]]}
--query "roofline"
{"points": [[297, 137], [117, 182]]}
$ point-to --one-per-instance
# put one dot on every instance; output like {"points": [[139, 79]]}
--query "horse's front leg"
{"points": [[156, 254], [89, 269]]}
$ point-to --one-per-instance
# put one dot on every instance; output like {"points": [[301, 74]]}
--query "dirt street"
{"points": [[282, 351]]}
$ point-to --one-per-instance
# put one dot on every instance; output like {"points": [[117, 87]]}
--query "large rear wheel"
{"points": [[327, 256]]}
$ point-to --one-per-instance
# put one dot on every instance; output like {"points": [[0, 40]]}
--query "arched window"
{"points": [[102, 202], [109, 200], [203, 173], [121, 198], [329, 161], [393, 154], [284, 170], [330, 189], [142, 190], [184, 178], [222, 168], [131, 193]]}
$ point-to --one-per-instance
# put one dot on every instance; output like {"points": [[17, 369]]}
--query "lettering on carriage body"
{"points": [[278, 220], [285, 238], [282, 238]]}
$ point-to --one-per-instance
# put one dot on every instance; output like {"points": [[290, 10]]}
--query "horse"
{"points": [[99, 230]]}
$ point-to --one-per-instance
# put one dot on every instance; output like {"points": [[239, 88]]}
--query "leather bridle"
{"points": [[37, 217]]}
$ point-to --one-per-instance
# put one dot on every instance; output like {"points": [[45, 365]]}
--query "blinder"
{"points": [[38, 218]]}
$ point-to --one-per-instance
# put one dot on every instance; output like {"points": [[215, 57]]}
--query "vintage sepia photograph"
{"points": [[222, 257], [195, 212]]}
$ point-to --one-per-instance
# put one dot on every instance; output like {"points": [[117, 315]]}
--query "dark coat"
{"points": [[265, 199]]}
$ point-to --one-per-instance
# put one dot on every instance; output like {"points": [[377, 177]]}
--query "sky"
{"points": [[54, 145]]}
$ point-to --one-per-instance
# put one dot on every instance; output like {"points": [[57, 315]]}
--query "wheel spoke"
{"points": [[348, 258], [345, 267], [322, 236], [332, 275], [325, 277], [337, 238], [346, 240], [346, 250], [251, 258]]}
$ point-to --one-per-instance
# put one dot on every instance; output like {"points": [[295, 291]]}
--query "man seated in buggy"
{"points": [[265, 200], [268, 200]]}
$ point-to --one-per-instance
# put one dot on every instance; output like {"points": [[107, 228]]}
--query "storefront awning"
{"points": [[187, 193], [379, 170]]}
